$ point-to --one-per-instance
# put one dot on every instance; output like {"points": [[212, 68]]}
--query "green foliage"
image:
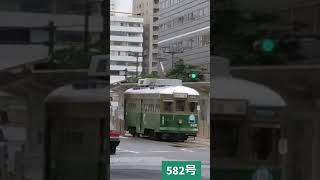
{"points": [[184, 72], [132, 80]]}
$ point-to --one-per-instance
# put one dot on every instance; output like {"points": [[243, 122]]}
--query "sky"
{"points": [[123, 5]]}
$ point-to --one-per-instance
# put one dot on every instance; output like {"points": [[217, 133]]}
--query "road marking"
{"points": [[186, 150], [123, 137], [124, 150], [201, 148], [162, 151]]}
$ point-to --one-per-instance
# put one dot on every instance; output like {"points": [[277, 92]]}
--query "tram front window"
{"points": [[180, 105], [193, 106], [168, 106]]}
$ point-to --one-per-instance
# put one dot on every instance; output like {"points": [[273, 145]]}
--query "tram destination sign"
{"points": [[180, 95], [229, 107]]}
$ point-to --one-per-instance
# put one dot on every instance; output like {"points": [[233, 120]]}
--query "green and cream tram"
{"points": [[162, 109]]}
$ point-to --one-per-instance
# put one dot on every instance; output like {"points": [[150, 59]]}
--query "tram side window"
{"points": [[180, 105], [193, 106], [168, 106]]}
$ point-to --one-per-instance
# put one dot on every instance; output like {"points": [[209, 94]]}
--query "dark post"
{"points": [[137, 66], [51, 30], [126, 73], [106, 26], [172, 54], [86, 28]]}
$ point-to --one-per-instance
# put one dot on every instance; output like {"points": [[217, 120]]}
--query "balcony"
{"points": [[122, 68], [126, 48], [125, 58], [155, 41], [156, 24], [155, 50], [156, 6], [126, 29], [126, 39], [155, 18]]}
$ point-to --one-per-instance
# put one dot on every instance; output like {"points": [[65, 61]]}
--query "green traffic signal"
{"points": [[194, 75], [268, 45]]}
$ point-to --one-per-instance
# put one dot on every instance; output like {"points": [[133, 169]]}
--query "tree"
{"points": [[185, 72]]}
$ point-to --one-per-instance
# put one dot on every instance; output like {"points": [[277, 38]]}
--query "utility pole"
{"points": [[51, 29], [137, 64], [172, 56], [86, 29]]}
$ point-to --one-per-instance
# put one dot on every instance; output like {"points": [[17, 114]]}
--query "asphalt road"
{"points": [[140, 158]]}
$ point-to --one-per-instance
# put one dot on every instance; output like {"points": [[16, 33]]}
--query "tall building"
{"points": [[149, 10], [184, 32], [126, 39], [112, 7]]}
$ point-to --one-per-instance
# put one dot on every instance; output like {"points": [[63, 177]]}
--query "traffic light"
{"points": [[266, 45], [196, 76], [193, 75]]}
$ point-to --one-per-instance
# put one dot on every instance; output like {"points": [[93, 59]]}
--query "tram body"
{"points": [[162, 111]]}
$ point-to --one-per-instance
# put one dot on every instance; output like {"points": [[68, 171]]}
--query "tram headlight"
{"points": [[180, 121]]}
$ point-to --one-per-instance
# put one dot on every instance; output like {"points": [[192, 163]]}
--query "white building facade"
{"points": [[126, 39]]}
